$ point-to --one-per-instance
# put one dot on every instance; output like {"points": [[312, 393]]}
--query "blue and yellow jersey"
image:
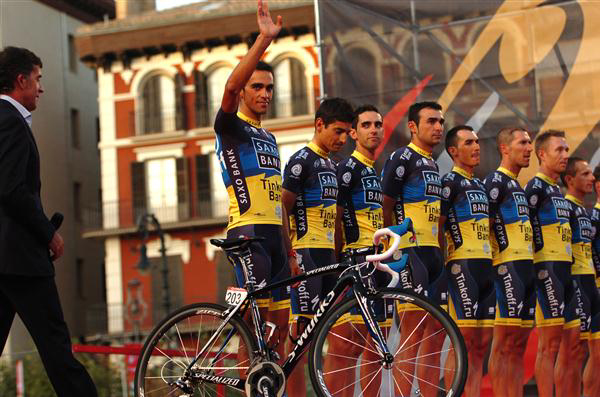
{"points": [[466, 208], [549, 214], [512, 235], [311, 175], [359, 193], [411, 177], [594, 214], [581, 241], [250, 168]]}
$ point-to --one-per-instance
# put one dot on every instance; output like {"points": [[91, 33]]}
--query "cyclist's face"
{"points": [[583, 181], [554, 154], [430, 129], [369, 130], [468, 151], [258, 92], [520, 148], [333, 136]]}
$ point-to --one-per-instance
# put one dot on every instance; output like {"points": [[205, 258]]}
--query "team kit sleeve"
{"points": [[448, 194], [294, 174], [226, 123], [346, 182], [533, 194], [493, 189], [393, 176]]}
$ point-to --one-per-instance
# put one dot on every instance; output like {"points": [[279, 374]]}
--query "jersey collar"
{"points": [[507, 172], [363, 159], [462, 172], [419, 150], [252, 122], [574, 199], [312, 146], [546, 179]]}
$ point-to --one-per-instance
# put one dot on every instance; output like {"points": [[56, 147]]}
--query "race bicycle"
{"points": [[357, 339]]}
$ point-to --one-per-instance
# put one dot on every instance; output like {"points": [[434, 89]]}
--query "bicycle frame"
{"points": [[348, 279]]}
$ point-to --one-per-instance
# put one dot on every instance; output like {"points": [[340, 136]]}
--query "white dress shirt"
{"points": [[24, 112]]}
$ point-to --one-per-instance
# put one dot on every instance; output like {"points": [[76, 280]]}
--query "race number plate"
{"points": [[234, 296]]}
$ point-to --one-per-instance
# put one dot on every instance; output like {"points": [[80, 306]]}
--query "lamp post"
{"points": [[144, 264]]}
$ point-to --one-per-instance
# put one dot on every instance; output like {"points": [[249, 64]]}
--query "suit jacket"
{"points": [[25, 230]]}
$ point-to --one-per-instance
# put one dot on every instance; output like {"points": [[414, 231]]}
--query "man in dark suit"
{"points": [[28, 240]]}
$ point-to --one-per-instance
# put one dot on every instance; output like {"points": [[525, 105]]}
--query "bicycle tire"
{"points": [[169, 349], [349, 374]]}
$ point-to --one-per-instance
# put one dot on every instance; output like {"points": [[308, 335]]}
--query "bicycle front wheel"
{"points": [[164, 367], [428, 354]]}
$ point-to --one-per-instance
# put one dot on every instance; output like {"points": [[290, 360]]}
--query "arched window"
{"points": [[290, 97], [161, 107], [215, 84], [357, 77]]}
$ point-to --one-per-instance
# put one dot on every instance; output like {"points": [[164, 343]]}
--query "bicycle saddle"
{"points": [[234, 243]]}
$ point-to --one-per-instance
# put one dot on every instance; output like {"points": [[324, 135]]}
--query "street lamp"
{"points": [[144, 264]]}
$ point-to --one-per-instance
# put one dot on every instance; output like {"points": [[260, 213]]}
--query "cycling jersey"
{"points": [[465, 205], [311, 175], [549, 214], [512, 233], [595, 218], [582, 238], [410, 176], [250, 168], [359, 193]]}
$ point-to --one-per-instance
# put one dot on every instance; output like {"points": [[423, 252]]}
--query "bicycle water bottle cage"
{"points": [[235, 244]]}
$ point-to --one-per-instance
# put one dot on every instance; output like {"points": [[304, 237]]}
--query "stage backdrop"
{"points": [[490, 64]]}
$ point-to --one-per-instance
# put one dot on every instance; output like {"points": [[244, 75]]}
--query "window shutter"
{"points": [[151, 112], [180, 113], [298, 83], [203, 179], [201, 99], [183, 191], [138, 190]]}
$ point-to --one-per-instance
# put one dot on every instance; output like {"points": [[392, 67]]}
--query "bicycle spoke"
{"points": [[354, 343], [378, 370], [411, 334]]}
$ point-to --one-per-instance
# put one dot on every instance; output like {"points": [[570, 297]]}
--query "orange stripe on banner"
{"points": [[528, 362], [395, 115]]}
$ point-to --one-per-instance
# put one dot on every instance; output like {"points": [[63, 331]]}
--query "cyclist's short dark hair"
{"points": [[262, 65], [597, 173], [542, 138], [13, 62], [360, 110], [415, 108], [452, 136], [335, 109], [571, 169], [505, 135]]}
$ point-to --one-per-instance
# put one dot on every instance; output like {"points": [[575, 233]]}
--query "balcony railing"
{"points": [[124, 214]]}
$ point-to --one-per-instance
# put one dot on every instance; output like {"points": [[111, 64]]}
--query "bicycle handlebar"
{"points": [[396, 232]]}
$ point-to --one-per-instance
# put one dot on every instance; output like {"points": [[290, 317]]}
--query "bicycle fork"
{"points": [[373, 328]]}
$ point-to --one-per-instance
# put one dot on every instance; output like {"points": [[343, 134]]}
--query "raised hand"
{"points": [[265, 23]]}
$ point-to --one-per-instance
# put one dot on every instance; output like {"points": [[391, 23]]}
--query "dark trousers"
{"points": [[36, 301]]}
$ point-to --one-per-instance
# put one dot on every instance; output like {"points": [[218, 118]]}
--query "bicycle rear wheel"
{"points": [[344, 358], [177, 340]]}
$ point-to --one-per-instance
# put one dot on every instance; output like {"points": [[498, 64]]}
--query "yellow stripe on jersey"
{"points": [[261, 190], [520, 237], [475, 235], [582, 255], [369, 220], [556, 247], [320, 228], [425, 217]]}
